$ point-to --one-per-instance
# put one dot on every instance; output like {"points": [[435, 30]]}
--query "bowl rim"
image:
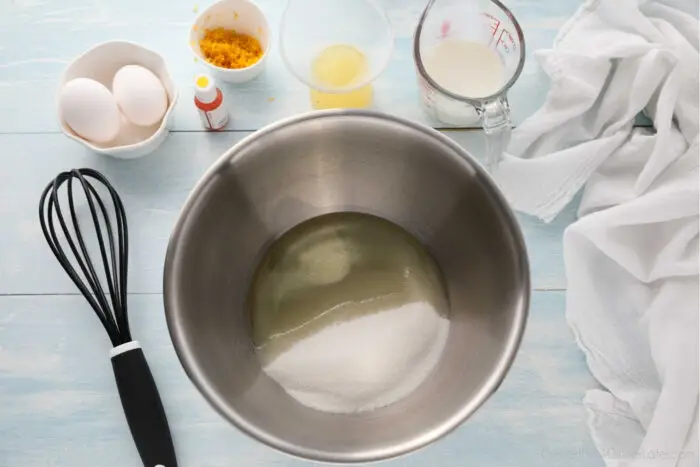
{"points": [[184, 352], [346, 89], [117, 151], [220, 69]]}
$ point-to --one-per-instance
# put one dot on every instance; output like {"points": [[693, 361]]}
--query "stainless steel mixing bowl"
{"points": [[339, 161]]}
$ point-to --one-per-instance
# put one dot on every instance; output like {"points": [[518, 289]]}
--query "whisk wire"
{"points": [[110, 260], [123, 237], [47, 227], [89, 271], [109, 276], [116, 281], [120, 257], [114, 318]]}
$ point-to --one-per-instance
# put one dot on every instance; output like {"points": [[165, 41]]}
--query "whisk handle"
{"points": [[142, 406]]}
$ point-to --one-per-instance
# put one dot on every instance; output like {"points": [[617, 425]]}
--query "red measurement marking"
{"points": [[512, 41], [507, 43], [495, 23], [445, 29], [501, 42]]}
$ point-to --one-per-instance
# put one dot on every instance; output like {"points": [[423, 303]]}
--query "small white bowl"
{"points": [[241, 15], [101, 63]]}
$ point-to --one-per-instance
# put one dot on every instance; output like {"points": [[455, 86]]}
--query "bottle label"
{"points": [[214, 119]]}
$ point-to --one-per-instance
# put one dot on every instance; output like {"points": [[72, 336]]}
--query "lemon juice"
{"points": [[341, 67]]}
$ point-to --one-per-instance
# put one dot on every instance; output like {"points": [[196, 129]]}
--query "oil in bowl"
{"points": [[349, 312]]}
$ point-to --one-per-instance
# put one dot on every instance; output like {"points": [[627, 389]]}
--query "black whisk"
{"points": [[137, 389]]}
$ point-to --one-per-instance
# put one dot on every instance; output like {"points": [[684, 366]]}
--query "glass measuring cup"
{"points": [[468, 54], [336, 48]]}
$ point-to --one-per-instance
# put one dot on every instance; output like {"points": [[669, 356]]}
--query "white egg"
{"points": [[89, 109], [140, 95]]}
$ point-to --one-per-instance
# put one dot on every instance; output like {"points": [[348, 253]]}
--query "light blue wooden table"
{"points": [[58, 402]]}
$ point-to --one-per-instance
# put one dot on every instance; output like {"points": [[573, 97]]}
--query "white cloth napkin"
{"points": [[632, 257]]}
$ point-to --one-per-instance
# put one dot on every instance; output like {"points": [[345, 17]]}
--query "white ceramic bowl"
{"points": [[243, 16], [101, 64]]}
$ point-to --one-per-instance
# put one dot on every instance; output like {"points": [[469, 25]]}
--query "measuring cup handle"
{"points": [[495, 119]]}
